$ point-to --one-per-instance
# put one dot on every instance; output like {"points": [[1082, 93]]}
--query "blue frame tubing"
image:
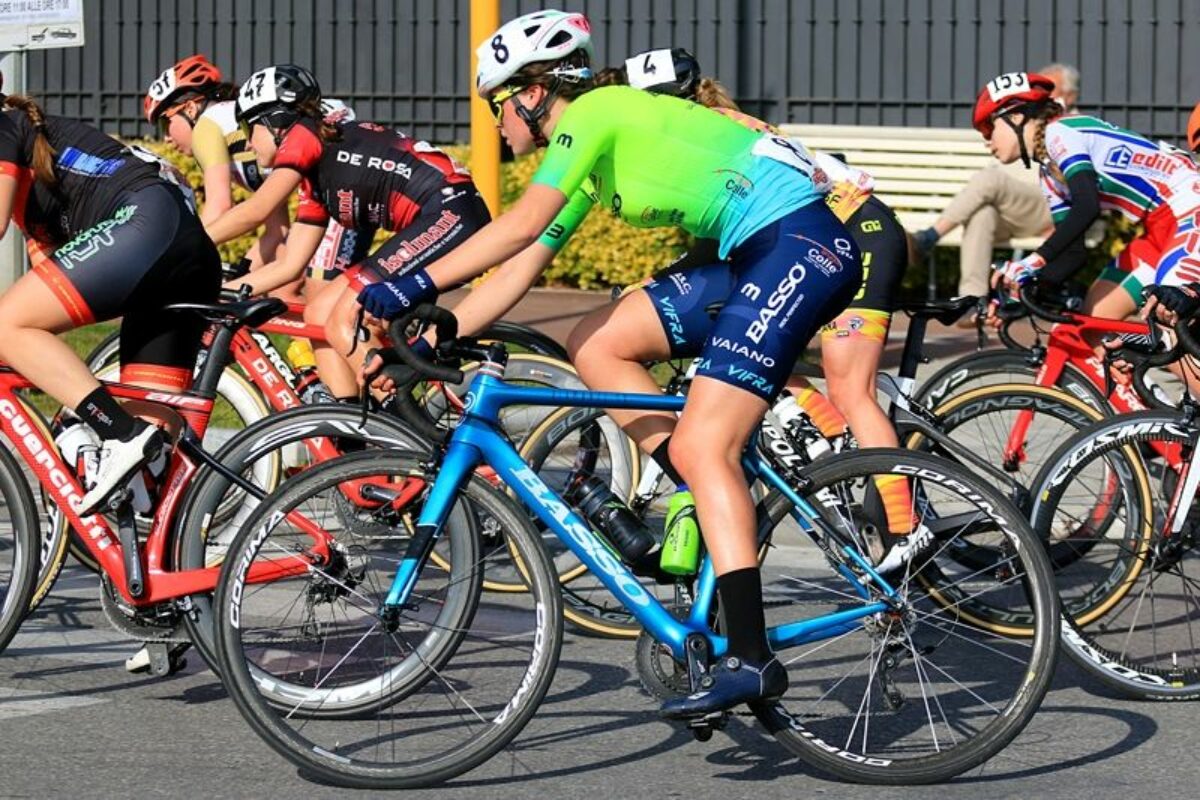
{"points": [[477, 439]]}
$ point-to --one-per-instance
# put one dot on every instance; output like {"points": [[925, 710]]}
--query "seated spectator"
{"points": [[996, 206]]}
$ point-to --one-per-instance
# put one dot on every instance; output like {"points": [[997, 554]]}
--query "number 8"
{"points": [[499, 49]]}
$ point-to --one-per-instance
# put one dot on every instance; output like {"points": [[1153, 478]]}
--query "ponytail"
{"points": [[326, 131], [712, 94], [43, 153]]}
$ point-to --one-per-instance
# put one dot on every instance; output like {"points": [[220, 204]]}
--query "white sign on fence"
{"points": [[40, 24]]}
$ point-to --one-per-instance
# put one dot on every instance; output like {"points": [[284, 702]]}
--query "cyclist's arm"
{"points": [[1084, 188], [245, 217], [218, 193], [302, 245], [501, 239], [502, 290], [275, 233]]}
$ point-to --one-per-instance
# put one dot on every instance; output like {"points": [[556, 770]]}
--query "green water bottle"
{"points": [[681, 546]]}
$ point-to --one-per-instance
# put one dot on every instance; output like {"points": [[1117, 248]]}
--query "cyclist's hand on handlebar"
{"points": [[1015, 274], [1170, 303], [389, 299], [397, 374]]}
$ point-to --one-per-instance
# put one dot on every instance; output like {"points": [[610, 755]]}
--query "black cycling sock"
{"points": [[663, 459], [102, 411], [741, 602]]}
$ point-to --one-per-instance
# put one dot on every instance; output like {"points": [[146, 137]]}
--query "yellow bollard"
{"points": [[485, 139]]}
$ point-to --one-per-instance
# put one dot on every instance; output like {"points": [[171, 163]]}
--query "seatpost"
{"points": [[911, 357], [215, 361]]}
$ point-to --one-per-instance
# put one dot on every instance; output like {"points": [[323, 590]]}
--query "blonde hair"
{"points": [[1041, 119], [710, 93], [43, 153]]}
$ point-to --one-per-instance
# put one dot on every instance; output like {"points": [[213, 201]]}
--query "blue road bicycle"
{"points": [[401, 672]]}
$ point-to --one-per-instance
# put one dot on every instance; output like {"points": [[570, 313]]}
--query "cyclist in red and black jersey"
{"points": [[114, 239], [363, 175]]}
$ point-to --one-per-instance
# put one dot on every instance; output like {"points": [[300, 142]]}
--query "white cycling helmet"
{"points": [[540, 36], [336, 111]]}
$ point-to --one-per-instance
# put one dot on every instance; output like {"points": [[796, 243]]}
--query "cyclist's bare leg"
{"points": [[850, 364], [340, 331], [707, 450], [610, 346], [335, 372], [1108, 300], [30, 316]]}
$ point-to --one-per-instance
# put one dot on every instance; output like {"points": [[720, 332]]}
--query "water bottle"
{"points": [[308, 384], [605, 511], [681, 546]]}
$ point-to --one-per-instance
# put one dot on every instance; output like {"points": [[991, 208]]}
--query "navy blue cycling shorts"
{"points": [[749, 318]]}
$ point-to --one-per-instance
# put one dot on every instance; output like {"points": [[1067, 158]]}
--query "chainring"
{"points": [[661, 676], [158, 623]]}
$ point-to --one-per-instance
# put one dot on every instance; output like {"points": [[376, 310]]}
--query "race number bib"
{"points": [[793, 154], [164, 84], [650, 69], [258, 90], [1007, 85]]}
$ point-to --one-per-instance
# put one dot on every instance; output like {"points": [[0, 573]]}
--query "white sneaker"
{"points": [[905, 549], [118, 461]]}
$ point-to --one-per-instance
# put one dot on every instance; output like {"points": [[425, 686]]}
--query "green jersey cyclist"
{"points": [[655, 160]]}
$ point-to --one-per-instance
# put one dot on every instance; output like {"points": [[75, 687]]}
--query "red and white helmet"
{"points": [[193, 75], [1012, 91], [540, 36]]}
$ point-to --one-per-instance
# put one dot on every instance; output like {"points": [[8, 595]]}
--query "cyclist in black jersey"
{"points": [[110, 238], [367, 177]]}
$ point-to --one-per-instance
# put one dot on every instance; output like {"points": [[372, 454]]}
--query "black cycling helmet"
{"points": [[675, 72], [273, 95]]}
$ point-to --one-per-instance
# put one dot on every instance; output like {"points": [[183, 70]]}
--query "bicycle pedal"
{"points": [[703, 727], [158, 659]]}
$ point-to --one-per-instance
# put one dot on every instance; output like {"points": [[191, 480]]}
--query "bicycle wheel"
{"points": [[440, 689], [982, 419], [1144, 643], [215, 508], [987, 367], [18, 546], [913, 694]]}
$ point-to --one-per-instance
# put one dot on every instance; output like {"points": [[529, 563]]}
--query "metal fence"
{"points": [[893, 62]]}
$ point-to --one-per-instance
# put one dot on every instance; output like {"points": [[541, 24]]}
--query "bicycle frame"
{"points": [[477, 440], [59, 482], [1068, 345]]}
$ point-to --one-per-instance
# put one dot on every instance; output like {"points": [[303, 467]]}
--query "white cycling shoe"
{"points": [[905, 550], [118, 461]]}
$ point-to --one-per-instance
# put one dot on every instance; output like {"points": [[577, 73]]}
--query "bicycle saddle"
{"points": [[252, 312], [946, 312]]}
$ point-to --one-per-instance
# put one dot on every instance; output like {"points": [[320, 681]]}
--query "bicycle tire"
{"points": [[1006, 366], [1112, 648], [21, 555], [1054, 405], [339, 762], [803, 721]]}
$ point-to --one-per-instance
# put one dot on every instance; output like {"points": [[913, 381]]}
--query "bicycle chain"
{"points": [[132, 623]]}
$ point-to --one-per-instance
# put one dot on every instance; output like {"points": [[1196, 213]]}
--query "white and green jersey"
{"points": [[1135, 175]]}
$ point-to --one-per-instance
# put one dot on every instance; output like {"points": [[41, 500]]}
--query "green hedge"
{"points": [[604, 252]]}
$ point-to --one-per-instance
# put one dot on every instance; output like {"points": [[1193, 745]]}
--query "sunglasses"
{"points": [[501, 97]]}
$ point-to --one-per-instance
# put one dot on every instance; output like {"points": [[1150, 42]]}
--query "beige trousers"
{"points": [[993, 207]]}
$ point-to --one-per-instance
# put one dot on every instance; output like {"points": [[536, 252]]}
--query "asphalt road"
{"points": [[73, 723]]}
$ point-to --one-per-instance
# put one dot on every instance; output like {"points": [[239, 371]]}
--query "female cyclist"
{"points": [[195, 109], [852, 344], [656, 161], [125, 244], [1087, 166], [361, 175]]}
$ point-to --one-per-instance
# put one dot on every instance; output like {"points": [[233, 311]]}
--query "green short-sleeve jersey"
{"points": [[658, 161]]}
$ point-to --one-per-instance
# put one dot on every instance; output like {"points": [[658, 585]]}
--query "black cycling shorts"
{"points": [[150, 253], [437, 230], [884, 246]]}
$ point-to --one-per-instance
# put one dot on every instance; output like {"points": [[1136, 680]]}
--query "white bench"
{"points": [[917, 171]]}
